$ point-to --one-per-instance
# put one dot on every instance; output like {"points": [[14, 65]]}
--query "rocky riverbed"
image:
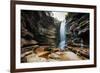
{"points": [[49, 56], [44, 54]]}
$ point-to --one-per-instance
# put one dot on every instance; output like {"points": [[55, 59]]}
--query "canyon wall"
{"points": [[77, 29], [37, 29]]}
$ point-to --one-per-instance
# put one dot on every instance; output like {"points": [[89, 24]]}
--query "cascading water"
{"points": [[81, 44], [62, 35]]}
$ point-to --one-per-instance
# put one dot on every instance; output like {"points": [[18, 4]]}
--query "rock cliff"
{"points": [[77, 28], [37, 29]]}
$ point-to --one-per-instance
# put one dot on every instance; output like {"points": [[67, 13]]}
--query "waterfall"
{"points": [[62, 35], [81, 43]]}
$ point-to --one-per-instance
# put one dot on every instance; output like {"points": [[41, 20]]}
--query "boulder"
{"points": [[34, 58], [43, 54], [41, 49], [54, 56], [69, 56], [29, 48]]}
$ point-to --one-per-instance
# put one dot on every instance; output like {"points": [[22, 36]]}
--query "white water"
{"points": [[62, 35]]}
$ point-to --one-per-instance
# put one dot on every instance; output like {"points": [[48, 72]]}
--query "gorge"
{"points": [[43, 36]]}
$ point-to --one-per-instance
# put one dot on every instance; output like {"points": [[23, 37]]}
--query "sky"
{"points": [[59, 15]]}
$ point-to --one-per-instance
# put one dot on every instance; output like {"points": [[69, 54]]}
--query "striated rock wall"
{"points": [[77, 29], [37, 29]]}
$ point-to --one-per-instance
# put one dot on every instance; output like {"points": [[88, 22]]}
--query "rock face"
{"points": [[37, 28], [78, 29]]}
